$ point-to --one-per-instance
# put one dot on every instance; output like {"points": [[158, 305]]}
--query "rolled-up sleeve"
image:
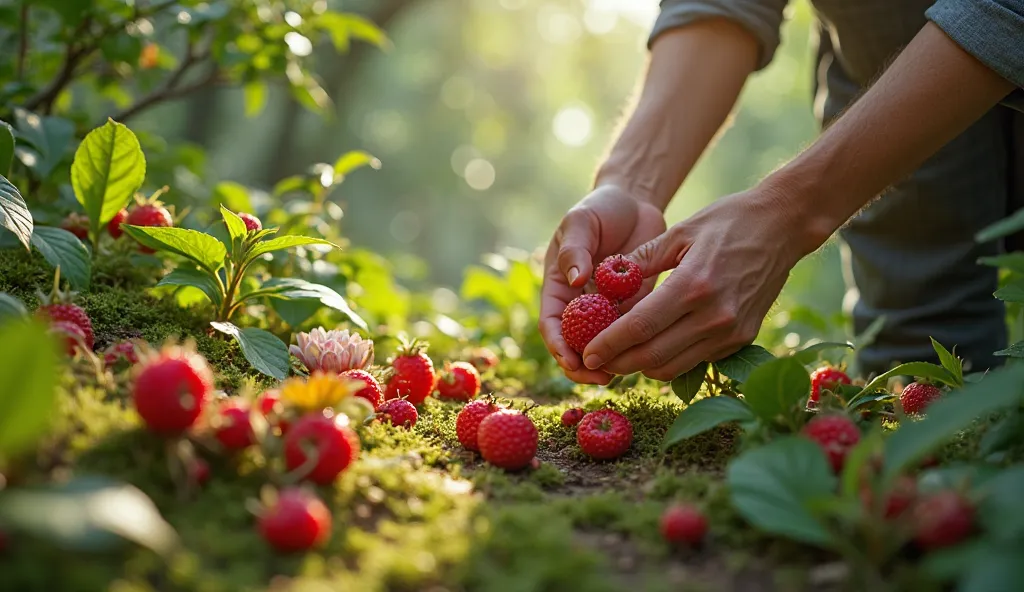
{"points": [[990, 30], [763, 18]]}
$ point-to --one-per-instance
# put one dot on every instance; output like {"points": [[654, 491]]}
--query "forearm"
{"points": [[695, 75], [929, 95]]}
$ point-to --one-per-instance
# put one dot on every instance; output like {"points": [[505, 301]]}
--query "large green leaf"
{"points": [[687, 385], [1014, 351], [267, 354], [351, 161], [187, 276], [739, 365], [286, 242], [6, 148], [955, 411], [1012, 292], [1012, 261], [298, 289], [43, 141], [998, 568], [235, 225], [205, 250], [14, 214], [999, 509], [775, 486], [233, 195], [62, 249], [1004, 227], [811, 353], [916, 369], [108, 169], [704, 415], [775, 388], [28, 373], [344, 26], [11, 307]]}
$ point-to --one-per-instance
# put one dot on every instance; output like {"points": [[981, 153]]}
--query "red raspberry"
{"points": [[826, 378], [77, 224], [467, 423], [70, 313], [149, 214], [335, 445], [618, 278], [507, 439], [114, 226], [835, 434], [413, 377], [460, 381], [942, 519], [604, 434], [297, 521], [122, 350], [585, 317], [917, 396], [252, 223], [572, 416], [372, 391], [71, 334], [897, 500], [683, 524], [234, 429], [171, 389], [398, 412]]}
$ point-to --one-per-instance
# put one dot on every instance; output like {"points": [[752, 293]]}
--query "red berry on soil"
{"points": [[460, 381], [334, 443], [77, 224], [507, 439], [683, 524], [413, 378], [252, 223], [398, 412], [70, 333], [234, 431], [171, 389], [897, 500], [467, 423], [835, 434], [71, 313], [585, 317], [372, 391], [942, 519], [297, 521], [916, 397], [200, 470], [604, 434], [122, 350], [618, 278], [572, 416], [114, 226], [149, 215], [826, 378]]}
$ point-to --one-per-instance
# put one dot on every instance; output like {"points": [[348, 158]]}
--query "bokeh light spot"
{"points": [[406, 226], [572, 126], [479, 174]]}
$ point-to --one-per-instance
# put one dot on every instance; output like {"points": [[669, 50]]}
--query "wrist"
{"points": [[631, 187], [803, 202]]}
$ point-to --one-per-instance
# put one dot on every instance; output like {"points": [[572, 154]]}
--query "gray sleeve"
{"points": [[990, 30], [763, 18]]}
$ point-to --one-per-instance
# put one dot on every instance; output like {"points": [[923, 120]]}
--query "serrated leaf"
{"points": [[267, 354], [775, 388], [353, 160], [11, 307], [6, 148], [286, 242], [205, 250], [811, 353], [705, 415], [915, 369], [255, 94], [62, 249], [14, 213], [739, 365], [1012, 292], [235, 225], [28, 371], [1002, 228], [687, 385], [949, 362], [185, 276], [108, 169]]}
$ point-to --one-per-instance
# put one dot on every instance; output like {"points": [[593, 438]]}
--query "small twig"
{"points": [[165, 94], [22, 40]]}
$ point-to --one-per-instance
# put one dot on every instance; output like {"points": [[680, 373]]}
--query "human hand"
{"points": [[606, 222], [730, 262]]}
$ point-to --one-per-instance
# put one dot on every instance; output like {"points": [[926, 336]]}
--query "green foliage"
{"points": [[28, 368], [265, 352], [14, 214], [739, 365], [707, 414]]}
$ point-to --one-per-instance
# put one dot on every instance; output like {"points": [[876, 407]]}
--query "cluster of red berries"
{"points": [[604, 434], [506, 438], [617, 279]]}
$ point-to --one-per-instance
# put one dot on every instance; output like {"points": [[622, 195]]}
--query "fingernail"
{"points": [[572, 275], [593, 362]]}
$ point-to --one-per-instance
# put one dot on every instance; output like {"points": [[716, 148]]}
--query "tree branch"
{"points": [[168, 92]]}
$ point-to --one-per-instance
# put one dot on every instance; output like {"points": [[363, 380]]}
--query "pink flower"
{"points": [[332, 351]]}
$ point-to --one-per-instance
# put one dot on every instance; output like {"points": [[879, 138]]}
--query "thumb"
{"points": [[661, 253], [576, 247]]}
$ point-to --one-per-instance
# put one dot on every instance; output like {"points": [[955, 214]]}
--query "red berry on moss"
{"points": [[297, 521], [604, 434], [572, 416], [398, 412], [507, 439], [467, 423], [683, 524]]}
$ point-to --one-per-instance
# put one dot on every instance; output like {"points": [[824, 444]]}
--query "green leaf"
{"points": [[1002, 228], [811, 353], [949, 362], [916, 369], [739, 365], [289, 184], [234, 195], [236, 226], [43, 141], [197, 278], [1012, 292], [255, 93], [298, 289], [953, 412], [1014, 351], [1012, 261], [351, 161], [71, 11], [1003, 434], [285, 242], [774, 486], [267, 354], [999, 510], [28, 373], [14, 213], [108, 169], [62, 249], [205, 250], [704, 415], [344, 26], [776, 387], [995, 568], [6, 148], [11, 307], [868, 336], [687, 385], [89, 514]]}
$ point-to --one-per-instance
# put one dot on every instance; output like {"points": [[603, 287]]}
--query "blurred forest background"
{"points": [[489, 118]]}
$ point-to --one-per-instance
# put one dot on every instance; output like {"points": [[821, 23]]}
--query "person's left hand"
{"points": [[730, 262]]}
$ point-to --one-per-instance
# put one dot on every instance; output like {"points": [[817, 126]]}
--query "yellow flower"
{"points": [[318, 392]]}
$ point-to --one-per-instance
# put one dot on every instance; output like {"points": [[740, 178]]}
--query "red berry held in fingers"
{"points": [[70, 334], [413, 377], [114, 226], [826, 378], [604, 434], [459, 381], [77, 224], [335, 444], [296, 521], [835, 434], [252, 223], [371, 391], [683, 524], [171, 388], [585, 317], [398, 412], [467, 423], [572, 416], [942, 519], [618, 278], [507, 439], [917, 396], [234, 429]]}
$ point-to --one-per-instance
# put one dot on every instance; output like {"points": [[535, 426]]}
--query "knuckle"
{"points": [[699, 289], [641, 327], [652, 357]]}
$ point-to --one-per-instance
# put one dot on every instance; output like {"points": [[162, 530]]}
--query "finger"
{"points": [[662, 253], [646, 287], [577, 239], [658, 351], [684, 362], [584, 376], [555, 295]]}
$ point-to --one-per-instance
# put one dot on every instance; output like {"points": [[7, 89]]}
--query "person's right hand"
{"points": [[606, 222]]}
